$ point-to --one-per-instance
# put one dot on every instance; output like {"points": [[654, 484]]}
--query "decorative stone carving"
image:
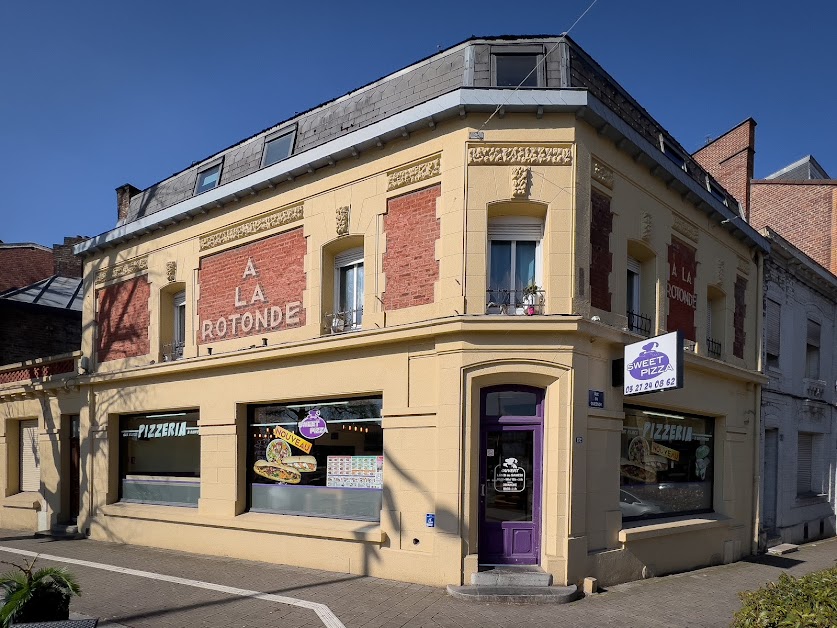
{"points": [[683, 227], [520, 155], [250, 227], [602, 174], [128, 267], [413, 173], [647, 227], [171, 271], [342, 220], [520, 181], [720, 271], [743, 265]]}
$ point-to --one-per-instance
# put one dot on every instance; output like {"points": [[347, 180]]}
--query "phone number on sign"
{"points": [[655, 385]]}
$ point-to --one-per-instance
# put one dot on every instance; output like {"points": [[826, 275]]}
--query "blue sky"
{"points": [[97, 94]]}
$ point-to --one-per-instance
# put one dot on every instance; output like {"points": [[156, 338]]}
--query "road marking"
{"points": [[328, 618]]}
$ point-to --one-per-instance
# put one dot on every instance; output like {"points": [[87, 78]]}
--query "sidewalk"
{"points": [[707, 597]]}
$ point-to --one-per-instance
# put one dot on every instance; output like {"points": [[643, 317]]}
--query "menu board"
{"points": [[355, 471]]}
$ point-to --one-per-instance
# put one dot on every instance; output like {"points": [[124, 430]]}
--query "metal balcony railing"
{"points": [[639, 323], [713, 347], [341, 322], [515, 302], [173, 351]]}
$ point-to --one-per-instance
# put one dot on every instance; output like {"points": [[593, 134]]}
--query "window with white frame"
{"points": [[348, 290], [179, 330], [715, 303], [514, 261], [812, 351]]}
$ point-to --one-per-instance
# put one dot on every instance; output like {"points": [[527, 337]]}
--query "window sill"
{"points": [[810, 499], [28, 500], [316, 527], [639, 530]]}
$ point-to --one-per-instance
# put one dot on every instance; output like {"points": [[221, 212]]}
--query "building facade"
{"points": [[384, 337]]}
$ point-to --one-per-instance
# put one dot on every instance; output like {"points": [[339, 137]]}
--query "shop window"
{"points": [[30, 456], [772, 333], [514, 260], [667, 464], [159, 458], [278, 147], [317, 459], [812, 351], [348, 291]]}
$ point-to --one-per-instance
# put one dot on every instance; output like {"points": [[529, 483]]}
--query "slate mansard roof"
{"points": [[450, 83]]}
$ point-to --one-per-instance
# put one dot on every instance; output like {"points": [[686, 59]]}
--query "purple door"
{"points": [[510, 475]]}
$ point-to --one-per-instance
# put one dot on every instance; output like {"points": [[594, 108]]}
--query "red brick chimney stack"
{"points": [[124, 194]]}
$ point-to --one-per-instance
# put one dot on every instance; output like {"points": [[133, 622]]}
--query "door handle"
{"points": [[482, 490]]}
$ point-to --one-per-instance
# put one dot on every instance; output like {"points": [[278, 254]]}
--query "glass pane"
{"points": [[278, 149], [347, 288], [358, 305], [633, 292], [509, 487], [500, 274], [208, 179], [524, 265], [180, 324], [666, 464], [513, 69], [511, 403]]}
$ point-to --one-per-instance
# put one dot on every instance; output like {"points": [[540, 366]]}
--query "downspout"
{"points": [[756, 518]]}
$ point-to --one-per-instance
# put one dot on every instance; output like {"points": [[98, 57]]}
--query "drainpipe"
{"points": [[756, 518]]}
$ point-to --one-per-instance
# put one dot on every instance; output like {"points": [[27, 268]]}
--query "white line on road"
{"points": [[328, 618]]}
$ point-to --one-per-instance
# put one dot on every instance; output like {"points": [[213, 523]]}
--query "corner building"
{"points": [[379, 338]]}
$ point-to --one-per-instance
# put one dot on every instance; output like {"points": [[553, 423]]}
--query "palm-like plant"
{"points": [[42, 595]]}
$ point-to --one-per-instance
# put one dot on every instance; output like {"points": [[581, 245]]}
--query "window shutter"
{"points": [[772, 324], [515, 228], [30, 468], [347, 258], [803, 469]]}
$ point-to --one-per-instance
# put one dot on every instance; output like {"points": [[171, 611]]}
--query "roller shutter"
{"points": [[30, 457]]}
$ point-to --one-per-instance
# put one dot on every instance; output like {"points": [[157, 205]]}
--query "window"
{"points": [[208, 179], [808, 460], [672, 153], [278, 147], [179, 325], [318, 459], [159, 458], [514, 275], [348, 290], [667, 464], [30, 456], [715, 322], [511, 70], [812, 351], [772, 332], [637, 322]]}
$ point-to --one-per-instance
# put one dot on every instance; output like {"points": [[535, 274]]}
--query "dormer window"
{"points": [[675, 155], [278, 146], [513, 66], [208, 179]]}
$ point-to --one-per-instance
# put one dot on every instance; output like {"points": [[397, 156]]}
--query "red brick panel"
{"points": [[20, 266], [122, 318], [252, 289], [729, 159], [803, 212], [680, 288], [601, 259], [410, 263], [739, 317], [36, 372]]}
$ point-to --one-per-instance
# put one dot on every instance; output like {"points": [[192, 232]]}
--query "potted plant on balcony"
{"points": [[36, 595], [531, 294]]}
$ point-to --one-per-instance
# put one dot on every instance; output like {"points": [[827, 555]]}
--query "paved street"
{"points": [[707, 597]]}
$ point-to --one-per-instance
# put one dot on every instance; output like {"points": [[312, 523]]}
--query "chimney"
{"points": [[65, 263], [124, 194]]}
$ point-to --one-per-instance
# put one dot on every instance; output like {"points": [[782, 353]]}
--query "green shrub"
{"points": [[795, 602], [35, 596]]}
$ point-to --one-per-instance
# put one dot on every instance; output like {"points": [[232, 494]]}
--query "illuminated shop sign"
{"points": [[161, 430], [654, 364]]}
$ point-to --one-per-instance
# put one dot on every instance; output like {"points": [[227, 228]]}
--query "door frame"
{"points": [[536, 424]]}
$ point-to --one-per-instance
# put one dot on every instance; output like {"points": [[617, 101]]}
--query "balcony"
{"points": [[639, 323], [713, 348], [527, 302], [342, 322], [173, 351]]}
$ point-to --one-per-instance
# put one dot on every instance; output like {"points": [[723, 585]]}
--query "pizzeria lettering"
{"points": [[161, 430], [664, 431]]}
